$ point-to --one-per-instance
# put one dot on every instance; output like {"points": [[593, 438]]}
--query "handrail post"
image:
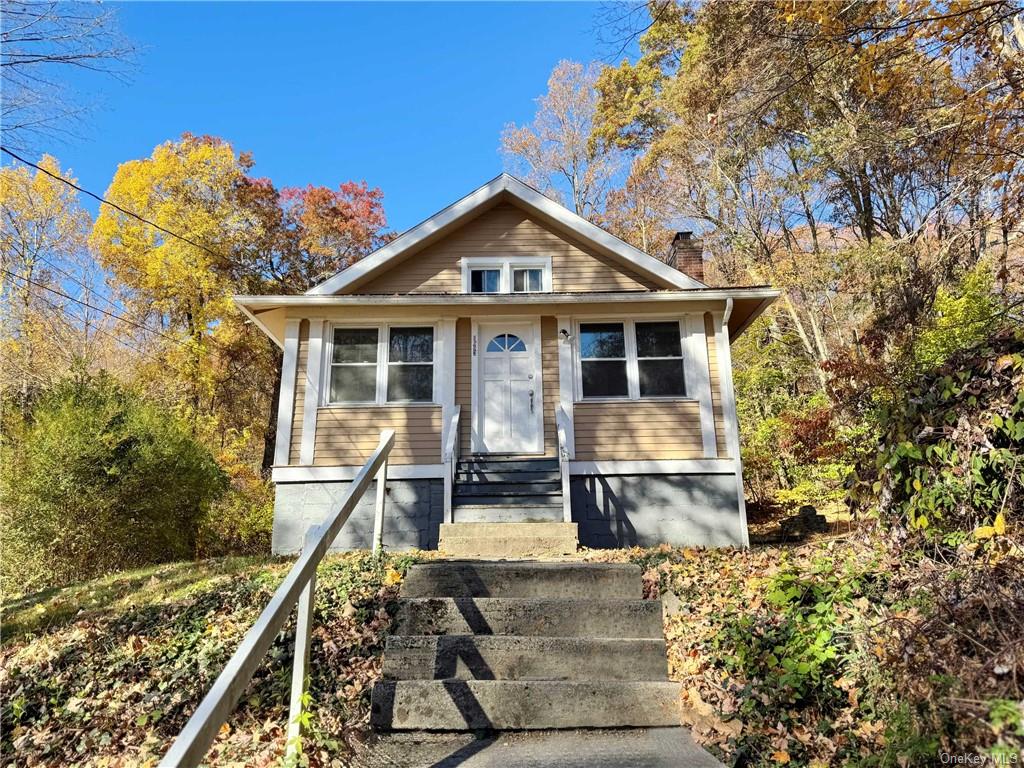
{"points": [[300, 665], [378, 512], [297, 589], [449, 458]]}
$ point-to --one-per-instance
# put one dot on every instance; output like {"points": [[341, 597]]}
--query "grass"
{"points": [[106, 672], [51, 608]]}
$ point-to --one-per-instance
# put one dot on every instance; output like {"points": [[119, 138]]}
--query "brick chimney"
{"points": [[687, 255]]}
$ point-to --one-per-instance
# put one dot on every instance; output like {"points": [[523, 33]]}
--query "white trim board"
{"points": [[710, 298], [655, 467], [482, 197], [314, 360], [286, 399], [336, 474]]}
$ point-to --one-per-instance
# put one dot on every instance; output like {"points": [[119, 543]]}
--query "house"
{"points": [[533, 367]]}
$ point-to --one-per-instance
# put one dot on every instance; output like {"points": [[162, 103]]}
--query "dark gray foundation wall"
{"points": [[647, 510], [413, 512]]}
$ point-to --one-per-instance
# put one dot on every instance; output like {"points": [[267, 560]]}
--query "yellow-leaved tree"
{"points": [[43, 231], [179, 283]]}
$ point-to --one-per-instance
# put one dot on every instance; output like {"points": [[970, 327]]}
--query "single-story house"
{"points": [[533, 366]]}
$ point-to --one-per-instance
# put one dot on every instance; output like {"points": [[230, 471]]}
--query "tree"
{"points": [[43, 269], [39, 38], [554, 152], [179, 284], [237, 234], [865, 157]]}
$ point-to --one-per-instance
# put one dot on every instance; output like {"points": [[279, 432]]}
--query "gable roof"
{"points": [[503, 187]]}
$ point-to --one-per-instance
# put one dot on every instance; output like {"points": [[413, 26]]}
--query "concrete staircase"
{"points": [[524, 646], [507, 507]]}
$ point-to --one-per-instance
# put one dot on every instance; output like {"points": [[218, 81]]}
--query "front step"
{"points": [[468, 657], [524, 646], [457, 705], [534, 617], [504, 540], [558, 580]]}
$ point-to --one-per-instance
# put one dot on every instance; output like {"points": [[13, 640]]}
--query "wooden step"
{"points": [[508, 489]]}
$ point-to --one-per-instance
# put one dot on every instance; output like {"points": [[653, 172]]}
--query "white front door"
{"points": [[508, 399]]}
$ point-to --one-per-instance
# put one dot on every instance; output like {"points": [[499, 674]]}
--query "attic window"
{"points": [[506, 274], [485, 281]]}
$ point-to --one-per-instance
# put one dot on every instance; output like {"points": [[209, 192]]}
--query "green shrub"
{"points": [[95, 478], [949, 461]]}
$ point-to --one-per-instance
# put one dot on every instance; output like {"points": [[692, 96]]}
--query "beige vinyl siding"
{"points": [[464, 380], [298, 408], [347, 436], [549, 373], [716, 387], [637, 430], [506, 230]]}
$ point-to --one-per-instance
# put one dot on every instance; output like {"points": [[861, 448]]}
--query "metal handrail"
{"points": [[297, 589], [562, 427], [450, 458]]}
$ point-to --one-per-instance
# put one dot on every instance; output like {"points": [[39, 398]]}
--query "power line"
{"points": [[113, 315], [115, 206], [122, 340], [78, 282]]}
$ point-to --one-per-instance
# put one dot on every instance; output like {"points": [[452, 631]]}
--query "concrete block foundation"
{"points": [[647, 510], [413, 512]]}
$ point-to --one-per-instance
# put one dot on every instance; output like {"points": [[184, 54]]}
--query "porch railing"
{"points": [[450, 459], [562, 426], [297, 589]]}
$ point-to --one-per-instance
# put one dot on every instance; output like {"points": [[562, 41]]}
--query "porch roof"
{"points": [[747, 303]]}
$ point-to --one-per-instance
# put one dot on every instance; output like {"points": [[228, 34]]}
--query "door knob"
{"points": [[531, 401]]}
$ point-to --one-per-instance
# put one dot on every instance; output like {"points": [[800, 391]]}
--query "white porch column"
{"points": [[732, 430], [312, 404], [698, 375], [566, 380], [444, 381], [286, 399]]}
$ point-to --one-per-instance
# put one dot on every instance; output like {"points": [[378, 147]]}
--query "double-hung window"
{"points": [[659, 354], [603, 360], [631, 359], [382, 364], [354, 354], [410, 371]]}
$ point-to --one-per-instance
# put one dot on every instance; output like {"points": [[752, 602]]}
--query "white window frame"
{"points": [[632, 361], [506, 264], [383, 363]]}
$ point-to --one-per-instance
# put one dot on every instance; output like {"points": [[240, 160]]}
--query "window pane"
{"points": [[602, 340], [484, 280], [412, 345], [527, 280], [661, 378], [410, 382], [658, 340], [606, 378], [355, 345], [353, 383]]}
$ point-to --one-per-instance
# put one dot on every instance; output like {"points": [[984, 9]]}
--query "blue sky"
{"points": [[409, 97]]}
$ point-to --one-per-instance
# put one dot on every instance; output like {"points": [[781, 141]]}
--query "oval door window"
{"points": [[506, 342]]}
